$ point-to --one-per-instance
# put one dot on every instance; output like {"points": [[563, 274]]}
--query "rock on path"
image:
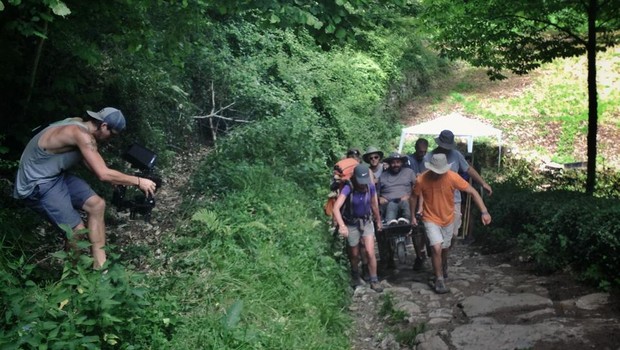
{"points": [[491, 305]]}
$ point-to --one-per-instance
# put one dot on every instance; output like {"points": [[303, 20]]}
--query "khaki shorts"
{"points": [[439, 234], [356, 231]]}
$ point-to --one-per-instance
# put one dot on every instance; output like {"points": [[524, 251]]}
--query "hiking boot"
{"points": [[365, 273], [376, 286], [440, 287], [356, 281], [418, 264], [403, 221]]}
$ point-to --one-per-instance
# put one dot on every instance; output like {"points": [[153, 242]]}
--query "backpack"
{"points": [[343, 170], [347, 208]]}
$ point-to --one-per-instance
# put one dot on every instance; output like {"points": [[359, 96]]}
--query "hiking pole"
{"points": [[466, 218]]}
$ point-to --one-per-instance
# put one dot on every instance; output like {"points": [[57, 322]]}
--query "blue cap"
{"points": [[111, 116], [362, 174]]}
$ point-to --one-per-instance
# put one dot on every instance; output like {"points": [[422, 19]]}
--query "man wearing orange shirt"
{"points": [[435, 189]]}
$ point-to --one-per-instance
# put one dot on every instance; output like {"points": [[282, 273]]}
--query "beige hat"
{"points": [[438, 164], [369, 151]]}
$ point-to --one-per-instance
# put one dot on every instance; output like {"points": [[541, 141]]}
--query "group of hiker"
{"points": [[372, 192]]}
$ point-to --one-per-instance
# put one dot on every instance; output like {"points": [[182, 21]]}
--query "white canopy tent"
{"points": [[461, 127]]}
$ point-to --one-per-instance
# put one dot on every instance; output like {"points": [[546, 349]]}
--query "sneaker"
{"points": [[440, 287], [392, 222], [418, 264], [376, 286], [403, 221]]}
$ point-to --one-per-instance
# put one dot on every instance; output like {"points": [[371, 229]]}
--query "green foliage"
{"points": [[5, 165], [40, 12], [267, 274], [554, 107], [388, 309], [559, 228], [83, 308], [517, 36], [403, 334], [521, 35], [253, 267], [407, 336], [329, 21], [265, 184], [524, 174]]}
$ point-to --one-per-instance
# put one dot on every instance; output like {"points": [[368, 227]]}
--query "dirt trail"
{"points": [[494, 303]]}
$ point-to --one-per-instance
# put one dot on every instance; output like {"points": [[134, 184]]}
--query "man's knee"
{"points": [[95, 205]]}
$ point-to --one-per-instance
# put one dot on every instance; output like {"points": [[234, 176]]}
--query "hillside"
{"points": [[542, 114]]}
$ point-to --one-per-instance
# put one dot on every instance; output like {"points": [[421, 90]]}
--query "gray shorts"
{"points": [[362, 229], [60, 199]]}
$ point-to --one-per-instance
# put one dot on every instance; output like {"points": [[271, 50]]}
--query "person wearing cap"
{"points": [[352, 212], [354, 153], [45, 185], [374, 158], [437, 187], [447, 146]]}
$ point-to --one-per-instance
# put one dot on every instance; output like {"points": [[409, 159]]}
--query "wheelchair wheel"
{"points": [[401, 252]]}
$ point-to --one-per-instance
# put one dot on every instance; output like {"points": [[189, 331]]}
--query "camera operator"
{"points": [[44, 184]]}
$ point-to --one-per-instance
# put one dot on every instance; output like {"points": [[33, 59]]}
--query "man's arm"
{"points": [[374, 206], [474, 175], [382, 200], [93, 160], [486, 217], [413, 201]]}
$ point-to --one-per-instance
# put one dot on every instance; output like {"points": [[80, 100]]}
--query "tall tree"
{"points": [[521, 35]]}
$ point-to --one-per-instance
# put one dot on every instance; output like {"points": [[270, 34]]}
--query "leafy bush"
{"points": [[558, 229], [82, 309], [263, 268]]}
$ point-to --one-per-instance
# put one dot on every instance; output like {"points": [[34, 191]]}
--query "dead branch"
{"points": [[217, 114]]}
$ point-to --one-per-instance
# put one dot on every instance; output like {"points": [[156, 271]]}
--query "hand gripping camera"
{"points": [[142, 159]]}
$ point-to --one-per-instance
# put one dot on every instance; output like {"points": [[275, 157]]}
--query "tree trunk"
{"points": [[592, 97]]}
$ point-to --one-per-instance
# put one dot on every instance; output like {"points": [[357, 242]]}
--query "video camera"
{"points": [[142, 159]]}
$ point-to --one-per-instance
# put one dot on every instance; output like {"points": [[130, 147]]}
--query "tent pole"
{"points": [[402, 141]]}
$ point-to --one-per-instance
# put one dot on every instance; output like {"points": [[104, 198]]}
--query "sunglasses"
{"points": [[374, 157]]}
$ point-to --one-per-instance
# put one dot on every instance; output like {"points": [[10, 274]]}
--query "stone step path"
{"points": [[491, 305]]}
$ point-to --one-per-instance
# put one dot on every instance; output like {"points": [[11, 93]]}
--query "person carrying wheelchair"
{"points": [[352, 211]]}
